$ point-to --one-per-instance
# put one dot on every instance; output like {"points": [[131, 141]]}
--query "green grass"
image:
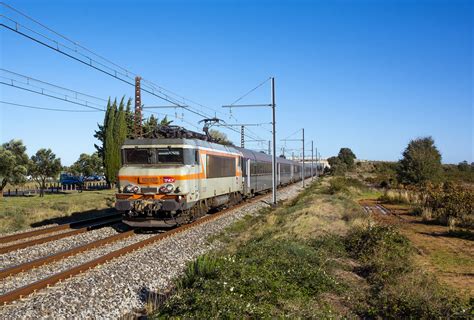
{"points": [[266, 278], [398, 288], [452, 262], [315, 257], [17, 213]]}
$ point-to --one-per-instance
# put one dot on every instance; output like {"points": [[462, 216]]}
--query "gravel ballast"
{"points": [[20, 256], [119, 287]]}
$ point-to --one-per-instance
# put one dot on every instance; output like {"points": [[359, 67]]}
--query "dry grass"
{"points": [[400, 196], [446, 254], [427, 214], [18, 213], [324, 215]]}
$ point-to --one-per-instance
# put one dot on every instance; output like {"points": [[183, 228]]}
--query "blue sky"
{"points": [[369, 75]]}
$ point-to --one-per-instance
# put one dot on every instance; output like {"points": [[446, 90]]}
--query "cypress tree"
{"points": [[120, 134], [110, 145], [129, 117], [99, 134]]}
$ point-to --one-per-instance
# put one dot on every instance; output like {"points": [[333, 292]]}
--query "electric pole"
{"points": [[303, 173], [274, 167], [273, 106], [138, 108], [312, 155]]}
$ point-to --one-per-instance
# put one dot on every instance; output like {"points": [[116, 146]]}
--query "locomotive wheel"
{"points": [[202, 208], [194, 213]]}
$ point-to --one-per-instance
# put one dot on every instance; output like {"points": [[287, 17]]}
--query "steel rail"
{"points": [[51, 280], [38, 232], [58, 236], [63, 254]]}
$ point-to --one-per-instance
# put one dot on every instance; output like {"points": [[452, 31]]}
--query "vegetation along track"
{"points": [[90, 225], [35, 286]]}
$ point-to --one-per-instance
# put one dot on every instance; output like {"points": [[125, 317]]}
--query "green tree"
{"points": [[464, 166], [109, 144], [87, 165], [99, 134], [347, 156], [120, 134], [338, 167], [44, 165], [343, 162], [421, 162], [129, 117], [220, 137], [149, 125], [13, 163], [117, 126]]}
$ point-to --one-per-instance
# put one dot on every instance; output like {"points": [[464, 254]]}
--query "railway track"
{"points": [[26, 290], [375, 207], [62, 255], [76, 228]]}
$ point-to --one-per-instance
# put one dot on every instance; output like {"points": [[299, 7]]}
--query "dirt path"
{"points": [[450, 256]]}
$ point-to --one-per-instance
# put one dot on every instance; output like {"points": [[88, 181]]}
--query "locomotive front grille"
{"points": [[149, 190]]}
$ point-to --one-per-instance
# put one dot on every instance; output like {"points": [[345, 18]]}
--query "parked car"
{"points": [[70, 179]]}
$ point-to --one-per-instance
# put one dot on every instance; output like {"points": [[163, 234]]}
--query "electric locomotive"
{"points": [[180, 175]]}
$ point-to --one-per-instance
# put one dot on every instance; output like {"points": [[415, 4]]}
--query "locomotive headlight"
{"points": [[130, 188]]}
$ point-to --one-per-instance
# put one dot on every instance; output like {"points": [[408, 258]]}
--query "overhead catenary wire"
{"points": [[172, 116], [127, 71], [46, 109], [122, 74], [291, 134], [51, 96], [119, 74], [250, 91], [31, 79], [114, 75]]}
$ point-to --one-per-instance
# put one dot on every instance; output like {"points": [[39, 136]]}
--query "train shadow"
{"points": [[75, 217]]}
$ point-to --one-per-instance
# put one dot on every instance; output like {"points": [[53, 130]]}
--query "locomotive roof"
{"points": [[171, 141], [254, 155]]}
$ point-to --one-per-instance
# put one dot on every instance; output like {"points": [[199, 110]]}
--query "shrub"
{"points": [[342, 184], [203, 267], [265, 278], [337, 185], [383, 174], [451, 204], [397, 288], [383, 251]]}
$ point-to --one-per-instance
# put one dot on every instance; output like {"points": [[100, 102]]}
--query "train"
{"points": [[173, 180]]}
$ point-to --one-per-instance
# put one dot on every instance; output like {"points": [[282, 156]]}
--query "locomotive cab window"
{"points": [[138, 156], [191, 156], [170, 155]]}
